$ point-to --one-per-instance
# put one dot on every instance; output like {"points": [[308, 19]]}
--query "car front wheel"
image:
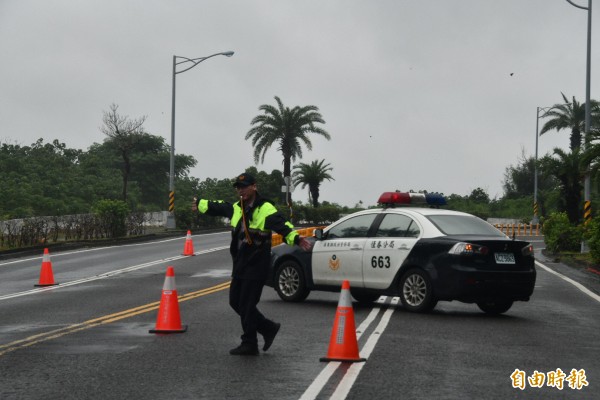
{"points": [[290, 283], [416, 292], [495, 306], [364, 297]]}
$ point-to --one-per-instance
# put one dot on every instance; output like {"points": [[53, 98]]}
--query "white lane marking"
{"points": [[351, 375], [150, 243], [345, 385], [213, 273], [321, 380], [106, 274], [571, 281]]}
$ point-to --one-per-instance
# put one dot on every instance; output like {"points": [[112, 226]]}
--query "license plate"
{"points": [[504, 258]]}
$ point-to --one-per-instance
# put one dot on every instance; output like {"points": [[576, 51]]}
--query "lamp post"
{"points": [[587, 207], [186, 61], [535, 219]]}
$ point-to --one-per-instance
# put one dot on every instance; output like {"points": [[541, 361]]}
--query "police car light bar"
{"points": [[391, 199]]}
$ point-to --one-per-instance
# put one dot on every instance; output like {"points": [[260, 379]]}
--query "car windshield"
{"points": [[463, 225]]}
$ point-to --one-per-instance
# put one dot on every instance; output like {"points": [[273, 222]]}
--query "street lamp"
{"points": [[587, 207], [186, 61], [535, 219]]}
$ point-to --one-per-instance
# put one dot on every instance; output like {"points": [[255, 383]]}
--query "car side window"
{"points": [[352, 228], [396, 225]]}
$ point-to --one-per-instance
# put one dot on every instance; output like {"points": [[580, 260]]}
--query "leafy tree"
{"points": [[519, 208], [150, 171], [37, 180], [125, 134], [143, 159], [102, 164], [519, 179], [313, 175], [217, 189], [49, 179], [479, 195], [288, 127], [269, 184], [591, 155], [519, 183]]}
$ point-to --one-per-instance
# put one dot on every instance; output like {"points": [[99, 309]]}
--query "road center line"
{"points": [[106, 319]]}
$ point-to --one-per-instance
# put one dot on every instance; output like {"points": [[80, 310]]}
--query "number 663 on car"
{"points": [[423, 255]]}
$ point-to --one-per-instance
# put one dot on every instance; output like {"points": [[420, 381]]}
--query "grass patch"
{"points": [[576, 259]]}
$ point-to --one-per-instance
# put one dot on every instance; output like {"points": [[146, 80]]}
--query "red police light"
{"points": [[391, 199]]}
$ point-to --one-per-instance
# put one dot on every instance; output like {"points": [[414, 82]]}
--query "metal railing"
{"points": [[520, 229], [277, 239]]}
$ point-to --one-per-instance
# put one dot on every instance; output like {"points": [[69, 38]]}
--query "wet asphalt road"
{"points": [[88, 337]]}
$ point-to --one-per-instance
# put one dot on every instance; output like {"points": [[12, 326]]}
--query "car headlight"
{"points": [[466, 249]]}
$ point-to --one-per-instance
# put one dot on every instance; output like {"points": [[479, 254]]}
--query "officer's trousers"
{"points": [[244, 295]]}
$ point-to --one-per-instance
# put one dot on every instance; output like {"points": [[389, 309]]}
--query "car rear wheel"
{"points": [[495, 306], [290, 283], [416, 292]]}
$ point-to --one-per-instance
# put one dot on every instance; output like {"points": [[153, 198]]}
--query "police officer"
{"points": [[253, 219]]}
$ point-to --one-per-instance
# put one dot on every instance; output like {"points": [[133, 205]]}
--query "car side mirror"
{"points": [[319, 234]]}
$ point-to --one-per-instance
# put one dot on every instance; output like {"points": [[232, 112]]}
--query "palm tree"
{"points": [[313, 175], [566, 167], [591, 155], [570, 115], [289, 128]]}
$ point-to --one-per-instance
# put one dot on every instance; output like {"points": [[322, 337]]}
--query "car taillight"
{"points": [[527, 250], [466, 249]]}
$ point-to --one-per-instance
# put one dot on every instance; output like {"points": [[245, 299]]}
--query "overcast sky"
{"points": [[436, 95]]}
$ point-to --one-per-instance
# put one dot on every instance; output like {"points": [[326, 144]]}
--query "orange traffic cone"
{"points": [[46, 275], [343, 345], [188, 249], [169, 320]]}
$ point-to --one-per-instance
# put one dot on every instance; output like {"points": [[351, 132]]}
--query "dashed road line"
{"points": [[106, 274]]}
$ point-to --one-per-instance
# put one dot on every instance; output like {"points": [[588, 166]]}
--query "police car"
{"points": [[421, 254]]}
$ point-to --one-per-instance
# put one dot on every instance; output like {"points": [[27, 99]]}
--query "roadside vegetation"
{"points": [[104, 192]]}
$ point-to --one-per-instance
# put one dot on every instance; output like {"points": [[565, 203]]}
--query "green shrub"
{"points": [[185, 218], [560, 235], [592, 236], [112, 216]]}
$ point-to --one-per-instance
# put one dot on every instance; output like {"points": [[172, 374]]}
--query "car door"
{"points": [[386, 251], [340, 255]]}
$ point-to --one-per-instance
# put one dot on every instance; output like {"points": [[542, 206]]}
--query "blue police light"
{"points": [[392, 199], [435, 199]]}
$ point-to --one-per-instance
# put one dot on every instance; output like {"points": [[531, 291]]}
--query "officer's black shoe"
{"points": [[270, 336], [244, 350]]}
